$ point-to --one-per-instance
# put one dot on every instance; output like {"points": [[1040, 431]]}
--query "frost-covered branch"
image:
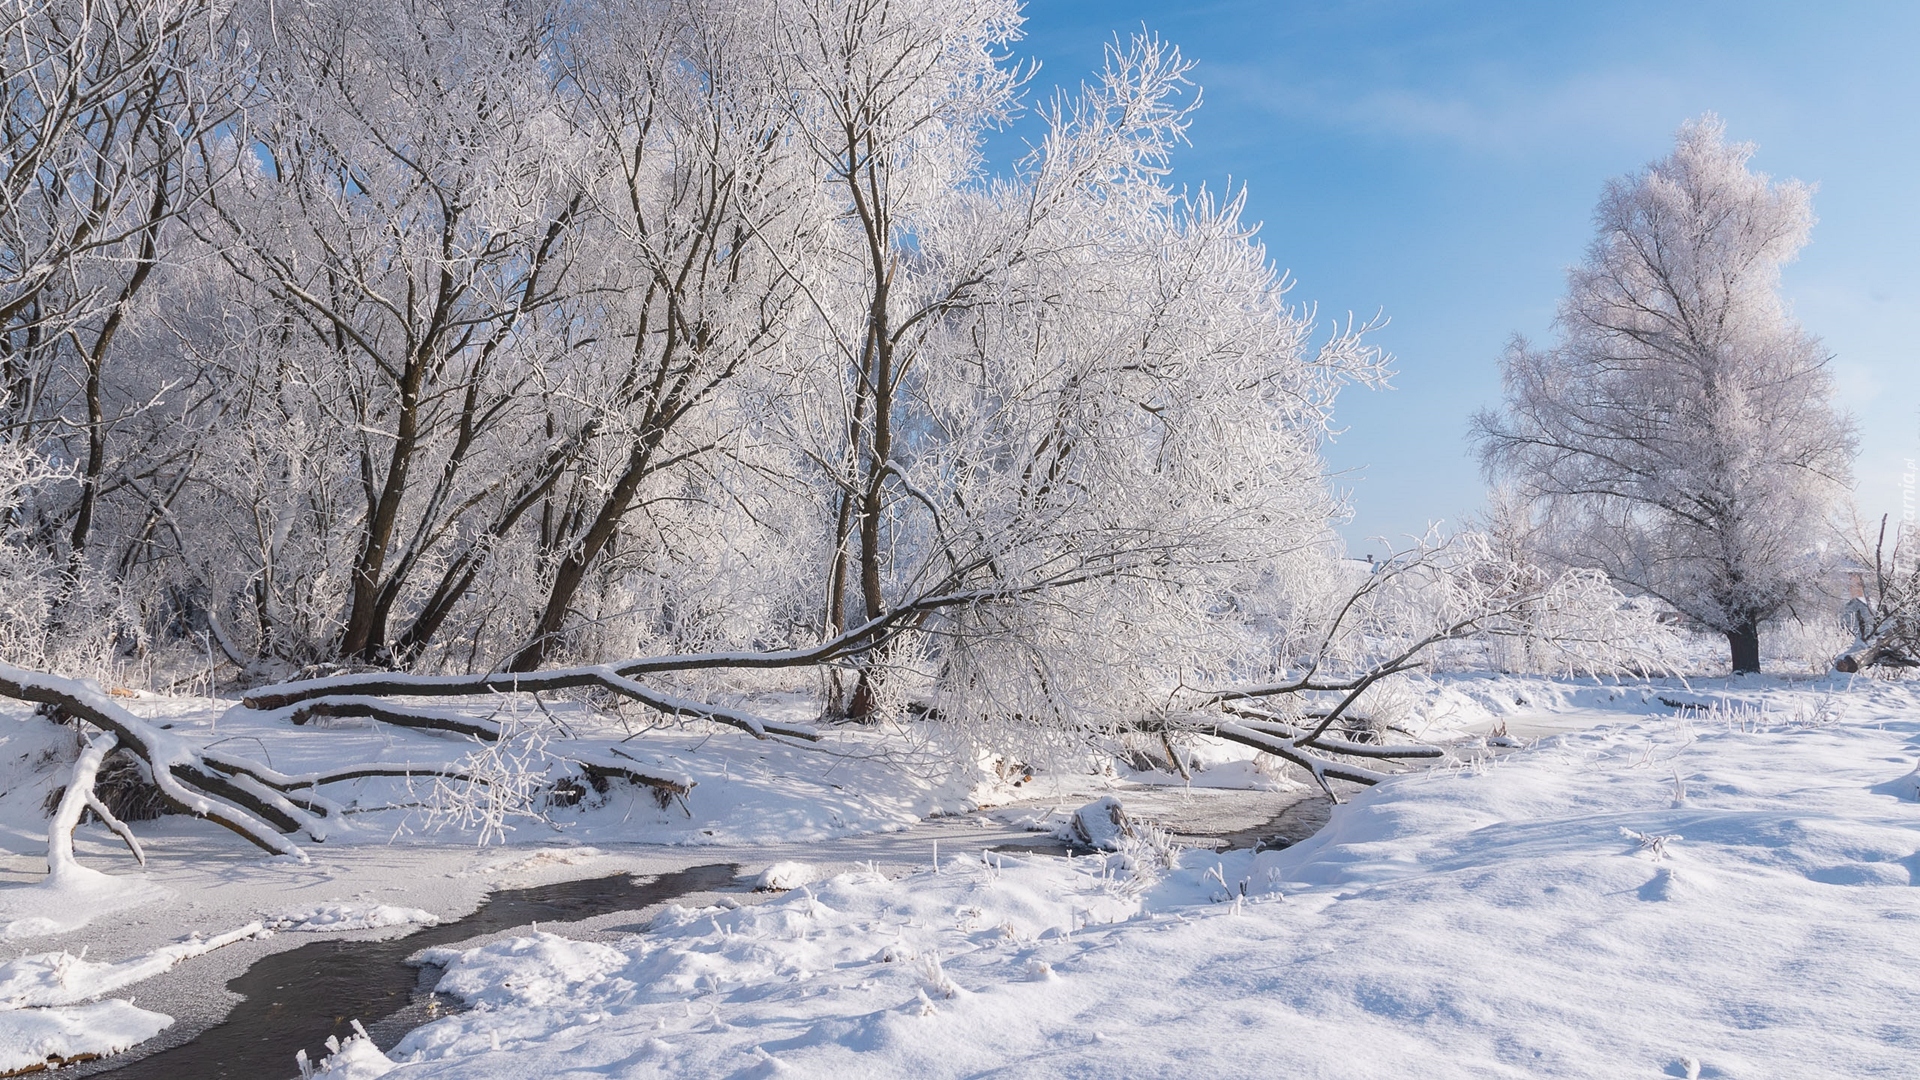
{"points": [[1397, 616], [184, 775], [256, 801]]}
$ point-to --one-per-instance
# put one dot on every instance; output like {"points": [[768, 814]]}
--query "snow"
{"points": [[783, 876], [1727, 895], [1637, 886], [65, 979], [356, 1059], [1102, 824], [746, 792], [340, 916], [385, 869], [42, 908], [30, 1038]]}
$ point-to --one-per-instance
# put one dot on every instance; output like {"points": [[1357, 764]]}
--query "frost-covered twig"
{"points": [[1393, 622]]}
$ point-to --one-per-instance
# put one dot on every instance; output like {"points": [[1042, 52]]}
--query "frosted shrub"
{"points": [[1806, 645], [52, 616]]}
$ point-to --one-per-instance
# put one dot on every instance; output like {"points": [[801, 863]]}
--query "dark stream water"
{"points": [[296, 998], [1289, 827]]}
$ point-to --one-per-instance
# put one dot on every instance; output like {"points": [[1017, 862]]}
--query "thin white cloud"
{"points": [[1489, 113]]}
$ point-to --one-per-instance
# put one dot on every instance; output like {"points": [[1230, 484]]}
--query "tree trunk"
{"points": [[364, 636], [572, 570], [1744, 644]]}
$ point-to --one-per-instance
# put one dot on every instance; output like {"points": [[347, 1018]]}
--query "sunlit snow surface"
{"points": [[1727, 893]]}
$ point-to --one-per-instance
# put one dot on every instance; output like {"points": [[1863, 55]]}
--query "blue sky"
{"points": [[1440, 162]]}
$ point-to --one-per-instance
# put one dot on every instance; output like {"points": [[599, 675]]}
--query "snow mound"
{"points": [[31, 1038], [782, 876], [44, 908], [336, 916], [1101, 824], [929, 941], [544, 970], [356, 1059]]}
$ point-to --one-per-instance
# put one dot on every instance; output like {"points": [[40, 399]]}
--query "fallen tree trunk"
{"points": [[1273, 724], [186, 777], [1312, 750], [256, 801], [366, 695], [347, 692], [1878, 653]]}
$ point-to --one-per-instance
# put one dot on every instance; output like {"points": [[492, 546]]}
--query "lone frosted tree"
{"points": [[1681, 435]]}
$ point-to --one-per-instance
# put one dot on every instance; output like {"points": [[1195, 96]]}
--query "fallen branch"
{"points": [[386, 712], [1279, 726], [1865, 654], [620, 677], [61, 865], [1322, 769], [257, 801], [1885, 620]]}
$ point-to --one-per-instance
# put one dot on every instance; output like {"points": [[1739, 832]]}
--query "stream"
{"points": [[297, 998]]}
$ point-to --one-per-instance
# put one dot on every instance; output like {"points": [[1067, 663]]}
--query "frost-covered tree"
{"points": [[396, 230], [700, 225], [1885, 617], [1681, 434], [97, 109], [1065, 391]]}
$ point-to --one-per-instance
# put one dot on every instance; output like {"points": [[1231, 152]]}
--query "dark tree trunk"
{"points": [[572, 571], [1744, 643]]}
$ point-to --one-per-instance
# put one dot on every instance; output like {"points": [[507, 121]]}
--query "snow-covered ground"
{"points": [[1711, 877], [1726, 893]]}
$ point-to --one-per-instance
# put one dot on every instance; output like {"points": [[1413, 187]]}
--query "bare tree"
{"points": [[1681, 435]]}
